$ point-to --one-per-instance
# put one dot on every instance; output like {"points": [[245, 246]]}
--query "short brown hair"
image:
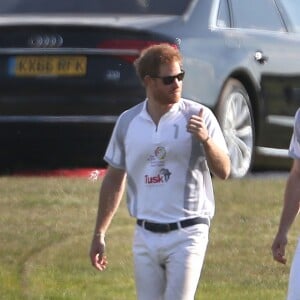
{"points": [[151, 58]]}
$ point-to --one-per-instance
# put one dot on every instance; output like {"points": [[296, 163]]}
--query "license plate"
{"points": [[48, 66]]}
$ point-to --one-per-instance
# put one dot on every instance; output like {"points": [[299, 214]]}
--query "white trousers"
{"points": [[168, 265], [294, 280]]}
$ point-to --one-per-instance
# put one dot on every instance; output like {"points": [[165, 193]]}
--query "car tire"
{"points": [[234, 113]]}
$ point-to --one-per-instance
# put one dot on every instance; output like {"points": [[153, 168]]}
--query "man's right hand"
{"points": [[278, 248], [98, 259]]}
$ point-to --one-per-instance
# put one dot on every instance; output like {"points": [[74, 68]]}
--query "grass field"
{"points": [[46, 225]]}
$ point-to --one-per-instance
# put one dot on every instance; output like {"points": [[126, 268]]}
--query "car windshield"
{"points": [[292, 8], [165, 7]]}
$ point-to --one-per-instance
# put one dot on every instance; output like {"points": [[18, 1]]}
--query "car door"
{"points": [[276, 59]]}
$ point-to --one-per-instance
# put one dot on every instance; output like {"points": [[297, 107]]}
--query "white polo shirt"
{"points": [[167, 175], [294, 150]]}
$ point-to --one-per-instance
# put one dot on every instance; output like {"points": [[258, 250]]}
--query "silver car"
{"points": [[66, 73]]}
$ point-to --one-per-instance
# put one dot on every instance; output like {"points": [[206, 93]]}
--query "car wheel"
{"points": [[234, 114]]}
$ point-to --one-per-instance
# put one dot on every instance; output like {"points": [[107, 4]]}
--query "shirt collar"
{"points": [[175, 108]]}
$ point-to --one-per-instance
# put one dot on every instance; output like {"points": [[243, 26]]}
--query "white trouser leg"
{"points": [[294, 279], [149, 274], [168, 266], [185, 261]]}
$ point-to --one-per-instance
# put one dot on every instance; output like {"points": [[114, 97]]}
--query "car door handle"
{"points": [[260, 57]]}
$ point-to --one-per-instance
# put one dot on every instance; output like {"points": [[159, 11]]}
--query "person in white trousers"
{"points": [[289, 212], [164, 148]]}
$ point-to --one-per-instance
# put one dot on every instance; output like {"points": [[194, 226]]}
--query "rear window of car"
{"points": [[165, 7], [292, 8], [257, 14]]}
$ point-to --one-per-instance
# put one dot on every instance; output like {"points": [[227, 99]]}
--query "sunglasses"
{"points": [[167, 80]]}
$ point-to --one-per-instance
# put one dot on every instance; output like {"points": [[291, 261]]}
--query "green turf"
{"points": [[46, 225]]}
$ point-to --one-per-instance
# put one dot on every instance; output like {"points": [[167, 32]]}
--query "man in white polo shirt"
{"points": [[164, 149], [289, 213]]}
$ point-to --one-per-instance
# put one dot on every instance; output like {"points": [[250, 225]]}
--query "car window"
{"points": [[223, 19], [257, 14], [292, 8], [169, 7]]}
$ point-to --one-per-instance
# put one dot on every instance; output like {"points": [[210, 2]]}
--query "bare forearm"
{"points": [[109, 199], [218, 161], [291, 203]]}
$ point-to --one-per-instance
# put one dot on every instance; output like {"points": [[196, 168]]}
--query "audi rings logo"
{"points": [[45, 41]]}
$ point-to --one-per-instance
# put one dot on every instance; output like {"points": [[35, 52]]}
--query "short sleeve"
{"points": [[294, 150]]}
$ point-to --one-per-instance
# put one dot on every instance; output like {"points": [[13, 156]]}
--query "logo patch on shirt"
{"points": [[162, 177], [158, 158]]}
